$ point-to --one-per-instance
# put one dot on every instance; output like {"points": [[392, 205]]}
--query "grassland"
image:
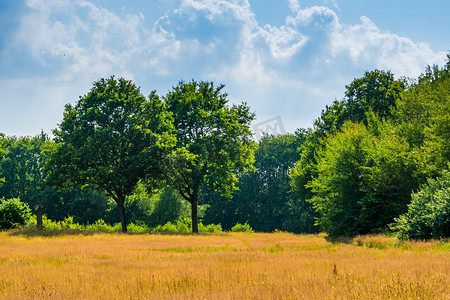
{"points": [[220, 266]]}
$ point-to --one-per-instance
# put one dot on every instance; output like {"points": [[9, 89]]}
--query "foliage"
{"points": [[22, 174], [168, 208], [263, 198], [113, 138], [241, 228], [428, 214], [423, 115], [374, 94], [139, 206], [85, 204], [377, 91], [181, 225], [357, 168], [99, 225], [184, 225], [213, 141], [13, 213], [22, 162], [364, 179]]}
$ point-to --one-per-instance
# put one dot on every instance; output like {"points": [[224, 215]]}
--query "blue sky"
{"points": [[285, 58]]}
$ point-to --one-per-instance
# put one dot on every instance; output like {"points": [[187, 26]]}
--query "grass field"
{"points": [[220, 266]]}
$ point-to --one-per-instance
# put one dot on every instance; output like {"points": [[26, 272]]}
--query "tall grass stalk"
{"points": [[225, 266]]}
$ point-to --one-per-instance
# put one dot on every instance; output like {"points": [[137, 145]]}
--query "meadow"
{"points": [[76, 265]]}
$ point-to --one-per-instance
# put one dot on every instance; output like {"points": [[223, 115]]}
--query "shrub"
{"points": [[138, 227], [428, 213], [184, 225], [101, 225], [13, 213], [242, 228], [214, 228], [167, 208]]}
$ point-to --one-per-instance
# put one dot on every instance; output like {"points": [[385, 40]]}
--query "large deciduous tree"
{"points": [[213, 141], [113, 138], [21, 174], [376, 93], [364, 180]]}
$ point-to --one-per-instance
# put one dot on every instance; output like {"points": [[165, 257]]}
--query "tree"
{"points": [[13, 213], [423, 116], [213, 141], [113, 138], [85, 204], [365, 176], [376, 92], [168, 208], [428, 213], [23, 176], [264, 199]]}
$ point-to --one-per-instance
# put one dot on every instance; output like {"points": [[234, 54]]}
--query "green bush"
{"points": [[428, 213], [242, 228], [168, 208], [99, 225], [13, 213], [184, 225], [214, 228]]}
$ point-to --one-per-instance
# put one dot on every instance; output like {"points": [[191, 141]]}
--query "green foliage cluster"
{"points": [[22, 176], [13, 213], [165, 162], [181, 225], [112, 138], [241, 228], [263, 198], [213, 141], [184, 225], [169, 208], [428, 214], [372, 150], [364, 179]]}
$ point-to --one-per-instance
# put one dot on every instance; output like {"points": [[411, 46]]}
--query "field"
{"points": [[220, 266]]}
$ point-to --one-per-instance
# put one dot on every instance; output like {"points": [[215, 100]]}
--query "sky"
{"points": [[287, 59]]}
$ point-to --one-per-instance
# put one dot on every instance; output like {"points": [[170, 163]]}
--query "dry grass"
{"points": [[227, 266]]}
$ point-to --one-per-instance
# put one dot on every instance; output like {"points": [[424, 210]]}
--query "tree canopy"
{"points": [[263, 199], [372, 150], [356, 172], [213, 141], [113, 138]]}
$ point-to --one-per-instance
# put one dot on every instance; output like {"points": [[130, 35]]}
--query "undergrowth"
{"points": [[182, 225]]}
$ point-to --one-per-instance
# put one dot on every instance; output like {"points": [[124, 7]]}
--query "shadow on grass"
{"points": [[33, 232], [339, 239]]}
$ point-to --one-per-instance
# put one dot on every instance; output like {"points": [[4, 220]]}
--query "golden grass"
{"points": [[226, 266]]}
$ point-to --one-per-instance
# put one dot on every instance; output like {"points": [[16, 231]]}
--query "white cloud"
{"points": [[90, 42], [240, 9], [291, 70], [366, 44], [294, 6]]}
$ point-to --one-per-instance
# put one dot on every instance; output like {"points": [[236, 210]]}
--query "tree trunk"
{"points": [[194, 208], [39, 211], [123, 218]]}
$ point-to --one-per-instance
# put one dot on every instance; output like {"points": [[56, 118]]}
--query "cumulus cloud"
{"points": [[95, 39], [365, 43], [291, 70]]}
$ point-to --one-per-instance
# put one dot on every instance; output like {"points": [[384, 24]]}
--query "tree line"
{"points": [[375, 161]]}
